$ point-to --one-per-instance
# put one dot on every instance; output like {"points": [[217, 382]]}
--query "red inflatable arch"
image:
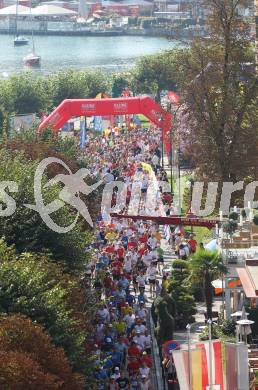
{"points": [[118, 106]]}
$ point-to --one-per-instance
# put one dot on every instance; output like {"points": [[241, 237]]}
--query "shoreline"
{"points": [[135, 32]]}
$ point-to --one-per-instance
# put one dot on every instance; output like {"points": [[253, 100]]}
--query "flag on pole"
{"points": [[237, 366], [217, 370], [98, 123], [82, 133], [181, 363], [200, 366]]}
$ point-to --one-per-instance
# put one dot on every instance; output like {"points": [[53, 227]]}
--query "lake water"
{"points": [[109, 53]]}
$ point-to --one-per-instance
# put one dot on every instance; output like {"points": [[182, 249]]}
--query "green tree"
{"points": [[74, 84], [180, 290], [120, 81], [207, 266], [154, 73], [25, 228], [23, 94], [34, 286], [165, 322], [217, 80]]}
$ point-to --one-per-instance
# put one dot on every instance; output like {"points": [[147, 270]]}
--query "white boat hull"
{"points": [[32, 60]]}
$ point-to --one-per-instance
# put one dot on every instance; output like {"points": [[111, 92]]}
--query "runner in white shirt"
{"points": [[141, 280], [128, 264], [154, 254], [146, 259], [139, 327], [152, 242], [144, 370], [152, 274], [142, 313], [139, 339], [130, 320]]}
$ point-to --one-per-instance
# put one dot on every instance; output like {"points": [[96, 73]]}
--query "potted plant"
{"points": [[243, 213], [254, 384], [230, 227], [233, 216]]}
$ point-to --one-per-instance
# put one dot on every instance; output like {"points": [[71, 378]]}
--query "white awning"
{"points": [[49, 10], [11, 10]]}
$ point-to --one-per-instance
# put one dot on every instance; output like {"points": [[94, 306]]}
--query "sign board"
{"points": [[20, 122]]}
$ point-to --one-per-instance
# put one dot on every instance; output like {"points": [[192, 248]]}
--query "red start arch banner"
{"points": [[101, 107]]}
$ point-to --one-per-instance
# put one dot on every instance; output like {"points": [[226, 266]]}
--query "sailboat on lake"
{"points": [[32, 59], [19, 40]]}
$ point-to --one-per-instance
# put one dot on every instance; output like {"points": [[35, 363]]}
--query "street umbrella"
{"points": [[212, 245], [169, 346], [244, 323], [238, 314]]}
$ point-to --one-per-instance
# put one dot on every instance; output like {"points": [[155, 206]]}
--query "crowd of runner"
{"points": [[128, 257]]}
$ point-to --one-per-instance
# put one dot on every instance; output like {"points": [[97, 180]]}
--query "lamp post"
{"points": [[174, 113], [162, 141], [190, 186], [162, 149], [171, 162], [209, 322], [188, 328]]}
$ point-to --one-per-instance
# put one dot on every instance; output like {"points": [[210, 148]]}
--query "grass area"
{"points": [[143, 119], [183, 187], [201, 234]]}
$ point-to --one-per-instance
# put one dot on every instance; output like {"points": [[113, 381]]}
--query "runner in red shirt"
{"points": [[133, 351], [110, 249], [120, 252], [117, 267], [146, 359], [192, 243]]}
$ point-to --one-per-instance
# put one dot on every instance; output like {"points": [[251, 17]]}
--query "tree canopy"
{"points": [[28, 359], [25, 228], [154, 73], [34, 286], [207, 266], [217, 80]]}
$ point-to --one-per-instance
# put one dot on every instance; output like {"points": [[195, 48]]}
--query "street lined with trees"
{"points": [[43, 294]]}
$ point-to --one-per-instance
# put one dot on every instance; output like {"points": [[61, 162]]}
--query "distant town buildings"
{"points": [[154, 17]]}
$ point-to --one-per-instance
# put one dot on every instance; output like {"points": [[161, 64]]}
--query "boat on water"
{"points": [[32, 59], [18, 39], [106, 31]]}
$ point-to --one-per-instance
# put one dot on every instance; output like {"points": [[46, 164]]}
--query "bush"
{"points": [[233, 216], [228, 327], [243, 213], [180, 264], [230, 226], [198, 293], [181, 293], [165, 321]]}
